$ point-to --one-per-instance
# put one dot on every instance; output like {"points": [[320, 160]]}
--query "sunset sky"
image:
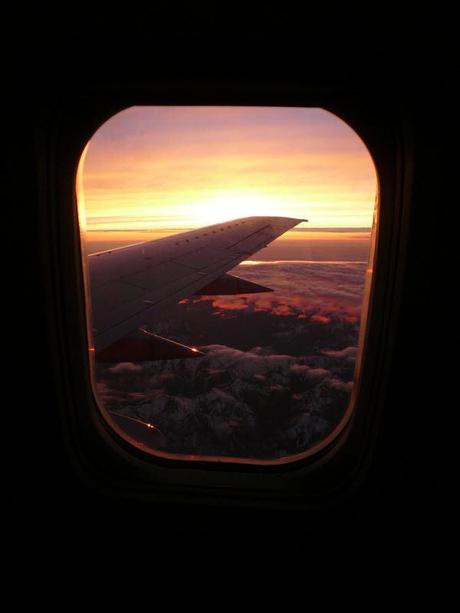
{"points": [[166, 169], [153, 171]]}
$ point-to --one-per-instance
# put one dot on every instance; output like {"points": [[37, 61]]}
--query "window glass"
{"points": [[223, 324]]}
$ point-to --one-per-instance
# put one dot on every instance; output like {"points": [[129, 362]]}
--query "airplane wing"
{"points": [[132, 285]]}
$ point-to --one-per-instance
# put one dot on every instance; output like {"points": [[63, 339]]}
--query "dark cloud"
{"points": [[232, 402], [277, 369], [349, 353]]}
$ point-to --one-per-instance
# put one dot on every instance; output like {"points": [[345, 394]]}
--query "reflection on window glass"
{"points": [[226, 252]]}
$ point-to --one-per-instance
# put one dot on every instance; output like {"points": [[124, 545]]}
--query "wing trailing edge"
{"points": [[144, 346]]}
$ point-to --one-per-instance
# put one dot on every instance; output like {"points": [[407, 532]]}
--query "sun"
{"points": [[225, 206]]}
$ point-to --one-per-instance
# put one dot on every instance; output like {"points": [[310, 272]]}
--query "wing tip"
{"points": [[294, 220], [297, 220]]}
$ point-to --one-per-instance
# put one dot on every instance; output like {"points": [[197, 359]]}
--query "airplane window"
{"points": [[242, 346]]}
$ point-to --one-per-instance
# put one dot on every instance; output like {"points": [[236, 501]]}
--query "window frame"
{"points": [[99, 454]]}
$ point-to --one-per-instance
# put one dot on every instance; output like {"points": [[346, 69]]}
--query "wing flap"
{"points": [[230, 284]]}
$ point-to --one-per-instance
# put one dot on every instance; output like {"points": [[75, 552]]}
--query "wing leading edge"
{"points": [[132, 285]]}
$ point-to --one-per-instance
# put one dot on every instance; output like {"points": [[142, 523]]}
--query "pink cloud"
{"points": [[327, 293], [125, 367], [322, 319]]}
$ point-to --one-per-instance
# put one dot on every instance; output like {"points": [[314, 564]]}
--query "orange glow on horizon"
{"points": [[168, 169], [313, 234]]}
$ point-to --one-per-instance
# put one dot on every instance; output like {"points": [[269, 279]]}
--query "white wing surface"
{"points": [[130, 286]]}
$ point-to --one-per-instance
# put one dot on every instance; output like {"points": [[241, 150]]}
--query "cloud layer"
{"points": [[277, 372]]}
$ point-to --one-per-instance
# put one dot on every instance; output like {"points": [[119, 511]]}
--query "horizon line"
{"points": [[310, 229]]}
